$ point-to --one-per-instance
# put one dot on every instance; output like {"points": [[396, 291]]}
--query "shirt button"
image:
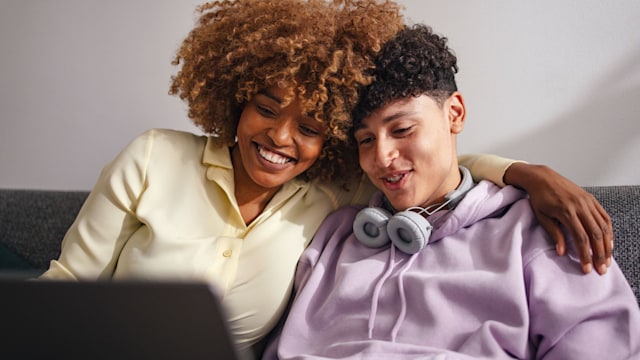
{"points": [[226, 253]]}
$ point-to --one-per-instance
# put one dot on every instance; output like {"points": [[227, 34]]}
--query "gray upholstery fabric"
{"points": [[623, 205], [32, 224]]}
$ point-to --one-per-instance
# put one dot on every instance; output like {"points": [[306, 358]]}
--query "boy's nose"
{"points": [[386, 153]]}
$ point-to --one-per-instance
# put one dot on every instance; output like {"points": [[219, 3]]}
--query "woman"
{"points": [[273, 85]]}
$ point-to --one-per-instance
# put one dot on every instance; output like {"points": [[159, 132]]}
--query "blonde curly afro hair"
{"points": [[320, 50]]}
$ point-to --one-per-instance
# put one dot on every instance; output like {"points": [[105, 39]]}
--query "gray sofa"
{"points": [[33, 222]]}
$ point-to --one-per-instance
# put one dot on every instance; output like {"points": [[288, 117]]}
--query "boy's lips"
{"points": [[394, 177], [394, 180]]}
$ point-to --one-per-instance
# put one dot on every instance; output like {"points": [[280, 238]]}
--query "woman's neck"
{"points": [[251, 198]]}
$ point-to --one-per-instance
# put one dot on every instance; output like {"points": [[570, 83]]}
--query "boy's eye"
{"points": [[364, 140], [404, 131], [401, 130]]}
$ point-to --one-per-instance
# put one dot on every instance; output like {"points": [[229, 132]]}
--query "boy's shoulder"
{"points": [[341, 219]]}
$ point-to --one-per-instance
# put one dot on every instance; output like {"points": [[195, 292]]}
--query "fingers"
{"points": [[590, 227], [607, 228], [552, 227], [583, 245], [600, 232], [560, 204], [582, 242]]}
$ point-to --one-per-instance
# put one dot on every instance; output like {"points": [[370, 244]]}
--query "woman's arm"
{"points": [[557, 203], [91, 246]]}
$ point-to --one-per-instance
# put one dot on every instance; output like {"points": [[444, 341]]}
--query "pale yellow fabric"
{"points": [[164, 208], [487, 167]]}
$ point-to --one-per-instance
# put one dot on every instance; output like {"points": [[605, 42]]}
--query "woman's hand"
{"points": [[558, 202]]}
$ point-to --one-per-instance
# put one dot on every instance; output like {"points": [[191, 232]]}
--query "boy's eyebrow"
{"points": [[388, 118], [396, 115]]}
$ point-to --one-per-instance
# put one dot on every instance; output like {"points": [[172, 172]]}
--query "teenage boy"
{"points": [[464, 270]]}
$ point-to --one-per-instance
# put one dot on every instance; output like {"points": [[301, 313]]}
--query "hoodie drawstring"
{"points": [[376, 294], [403, 309], [376, 291]]}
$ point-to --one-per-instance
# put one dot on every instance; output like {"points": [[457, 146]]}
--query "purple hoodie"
{"points": [[489, 284]]}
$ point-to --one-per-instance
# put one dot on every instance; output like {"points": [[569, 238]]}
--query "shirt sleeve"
{"points": [[107, 219], [487, 167]]}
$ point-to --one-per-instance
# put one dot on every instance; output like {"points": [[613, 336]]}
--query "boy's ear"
{"points": [[457, 112]]}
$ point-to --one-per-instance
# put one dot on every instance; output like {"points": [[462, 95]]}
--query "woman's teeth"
{"points": [[272, 157]]}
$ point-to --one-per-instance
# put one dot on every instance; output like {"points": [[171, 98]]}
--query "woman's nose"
{"points": [[282, 132]]}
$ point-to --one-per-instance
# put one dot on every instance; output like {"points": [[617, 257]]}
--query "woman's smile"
{"points": [[273, 157]]}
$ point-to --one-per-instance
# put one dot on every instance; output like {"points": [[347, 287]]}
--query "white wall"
{"points": [[548, 81]]}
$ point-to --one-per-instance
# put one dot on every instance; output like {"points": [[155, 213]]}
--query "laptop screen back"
{"points": [[112, 320]]}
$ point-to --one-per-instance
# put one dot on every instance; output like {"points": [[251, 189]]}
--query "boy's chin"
{"points": [[399, 204]]}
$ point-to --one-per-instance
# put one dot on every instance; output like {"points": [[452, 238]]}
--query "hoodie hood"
{"points": [[485, 200], [482, 201]]}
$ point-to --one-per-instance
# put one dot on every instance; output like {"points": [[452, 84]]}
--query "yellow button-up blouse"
{"points": [[165, 208]]}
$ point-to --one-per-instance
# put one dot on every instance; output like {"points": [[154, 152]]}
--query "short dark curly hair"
{"points": [[322, 50], [415, 62]]}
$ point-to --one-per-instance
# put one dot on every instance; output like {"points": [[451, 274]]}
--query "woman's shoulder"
{"points": [[168, 141], [163, 145], [173, 137]]}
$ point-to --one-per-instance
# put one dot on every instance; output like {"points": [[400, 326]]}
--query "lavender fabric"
{"points": [[488, 285]]}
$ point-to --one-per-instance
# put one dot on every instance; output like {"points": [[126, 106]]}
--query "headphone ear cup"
{"points": [[409, 231], [370, 227]]}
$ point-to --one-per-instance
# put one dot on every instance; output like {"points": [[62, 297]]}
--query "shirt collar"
{"points": [[216, 155]]}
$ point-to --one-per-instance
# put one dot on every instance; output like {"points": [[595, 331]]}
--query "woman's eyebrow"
{"points": [[270, 96]]}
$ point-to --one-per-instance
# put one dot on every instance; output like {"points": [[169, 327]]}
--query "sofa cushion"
{"points": [[33, 223], [623, 205], [10, 260]]}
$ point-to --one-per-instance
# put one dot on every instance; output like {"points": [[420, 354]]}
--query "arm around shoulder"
{"points": [[487, 167], [558, 204]]}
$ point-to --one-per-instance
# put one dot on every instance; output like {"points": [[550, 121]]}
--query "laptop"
{"points": [[112, 320]]}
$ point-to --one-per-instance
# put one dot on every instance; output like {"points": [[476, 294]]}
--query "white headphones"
{"points": [[408, 230]]}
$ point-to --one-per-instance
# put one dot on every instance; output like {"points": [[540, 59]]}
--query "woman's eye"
{"points": [[309, 131], [265, 111]]}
